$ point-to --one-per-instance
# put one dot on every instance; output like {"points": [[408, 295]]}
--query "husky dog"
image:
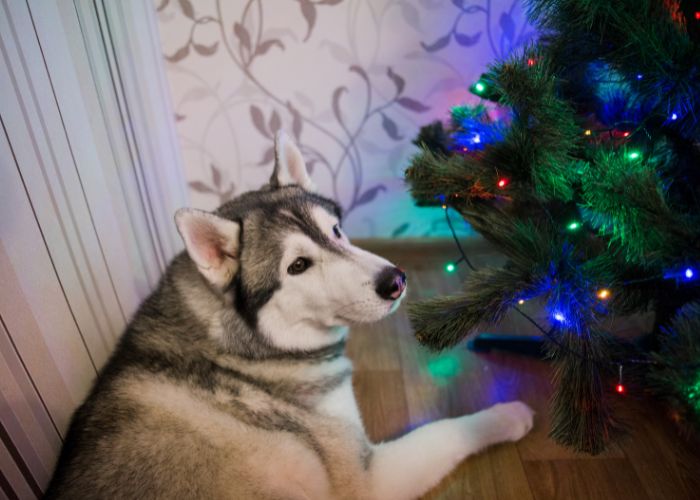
{"points": [[231, 382]]}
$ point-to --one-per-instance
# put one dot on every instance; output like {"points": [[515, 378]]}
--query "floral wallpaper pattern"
{"points": [[350, 80]]}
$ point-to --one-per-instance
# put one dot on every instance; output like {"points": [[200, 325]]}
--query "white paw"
{"points": [[512, 420]]}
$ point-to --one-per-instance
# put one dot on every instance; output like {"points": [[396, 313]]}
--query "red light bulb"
{"points": [[502, 183], [530, 62], [620, 388], [697, 15]]}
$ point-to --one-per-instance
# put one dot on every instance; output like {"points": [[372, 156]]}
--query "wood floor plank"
{"points": [[380, 398], [665, 464], [375, 346], [611, 478], [495, 474], [401, 385]]}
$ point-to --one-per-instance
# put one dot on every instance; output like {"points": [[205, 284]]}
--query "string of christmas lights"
{"points": [[588, 183], [601, 293]]}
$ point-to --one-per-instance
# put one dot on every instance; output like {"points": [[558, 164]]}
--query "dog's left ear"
{"points": [[290, 167], [212, 243]]}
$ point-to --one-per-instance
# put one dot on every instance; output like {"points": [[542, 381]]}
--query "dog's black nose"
{"points": [[391, 282]]}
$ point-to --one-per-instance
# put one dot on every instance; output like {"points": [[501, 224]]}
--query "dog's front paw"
{"points": [[512, 420]]}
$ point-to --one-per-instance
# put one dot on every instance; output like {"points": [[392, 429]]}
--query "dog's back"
{"points": [[175, 415], [117, 446]]}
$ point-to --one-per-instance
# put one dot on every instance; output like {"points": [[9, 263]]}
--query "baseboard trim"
{"points": [[424, 247]]}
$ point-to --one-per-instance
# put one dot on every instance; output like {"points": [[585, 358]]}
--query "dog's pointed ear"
{"points": [[290, 167], [211, 242]]}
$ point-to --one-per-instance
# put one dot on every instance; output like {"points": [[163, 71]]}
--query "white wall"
{"points": [[89, 179], [240, 69]]}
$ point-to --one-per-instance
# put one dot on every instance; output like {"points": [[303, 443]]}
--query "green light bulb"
{"points": [[450, 267], [693, 393], [444, 367], [633, 155], [479, 87], [573, 226]]}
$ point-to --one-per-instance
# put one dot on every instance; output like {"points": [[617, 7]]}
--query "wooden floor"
{"points": [[400, 385]]}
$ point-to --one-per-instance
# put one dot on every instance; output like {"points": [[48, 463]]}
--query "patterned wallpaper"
{"points": [[350, 80]]}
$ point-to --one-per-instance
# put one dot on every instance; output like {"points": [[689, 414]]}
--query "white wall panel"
{"points": [[90, 176]]}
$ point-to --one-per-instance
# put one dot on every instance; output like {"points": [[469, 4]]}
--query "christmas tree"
{"points": [[590, 186]]}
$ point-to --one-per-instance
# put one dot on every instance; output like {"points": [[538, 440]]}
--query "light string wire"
{"points": [[549, 334]]}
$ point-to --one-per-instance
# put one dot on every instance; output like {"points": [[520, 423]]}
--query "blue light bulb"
{"points": [[689, 273], [559, 317], [674, 116]]}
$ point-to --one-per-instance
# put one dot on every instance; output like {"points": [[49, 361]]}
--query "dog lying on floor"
{"points": [[231, 382]]}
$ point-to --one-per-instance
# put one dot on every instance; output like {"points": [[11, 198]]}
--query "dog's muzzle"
{"points": [[390, 283]]}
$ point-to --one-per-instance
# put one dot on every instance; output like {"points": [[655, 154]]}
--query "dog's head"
{"points": [[281, 256]]}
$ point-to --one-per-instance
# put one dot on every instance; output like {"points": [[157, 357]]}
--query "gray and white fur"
{"points": [[231, 379]]}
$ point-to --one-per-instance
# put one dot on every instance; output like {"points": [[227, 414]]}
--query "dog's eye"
{"points": [[299, 266], [336, 231]]}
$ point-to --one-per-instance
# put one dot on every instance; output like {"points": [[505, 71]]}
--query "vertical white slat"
{"points": [[177, 190], [100, 94], [45, 163], [35, 310], [90, 176], [104, 37], [118, 226], [24, 415], [13, 475], [24, 453], [130, 27]]}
